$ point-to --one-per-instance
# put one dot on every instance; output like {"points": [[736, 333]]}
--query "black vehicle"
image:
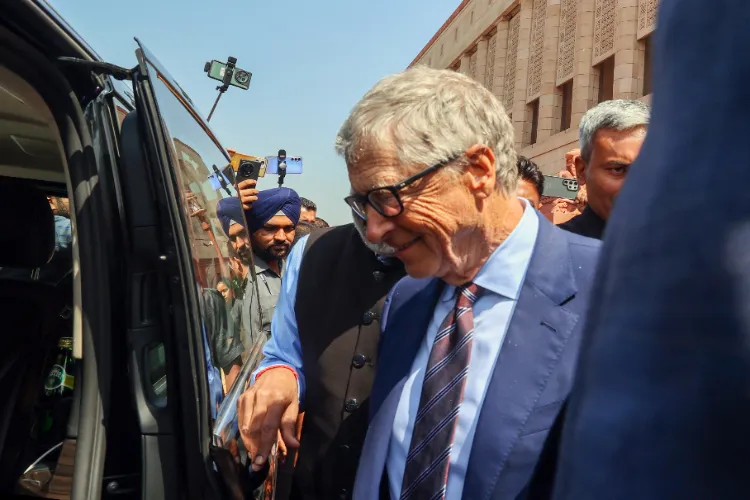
{"points": [[135, 259]]}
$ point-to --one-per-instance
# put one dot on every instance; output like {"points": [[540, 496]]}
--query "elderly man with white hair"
{"points": [[479, 342], [611, 135]]}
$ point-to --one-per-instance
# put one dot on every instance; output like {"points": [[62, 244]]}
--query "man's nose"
{"points": [[377, 226], [280, 235]]}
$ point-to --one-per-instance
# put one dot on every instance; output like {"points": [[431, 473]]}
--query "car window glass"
{"points": [[219, 273]]}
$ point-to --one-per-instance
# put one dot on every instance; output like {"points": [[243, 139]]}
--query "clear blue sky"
{"points": [[311, 62]]}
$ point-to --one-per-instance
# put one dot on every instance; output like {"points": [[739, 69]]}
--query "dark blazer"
{"points": [[532, 377], [661, 406]]}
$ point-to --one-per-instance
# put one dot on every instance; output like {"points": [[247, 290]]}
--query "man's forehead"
{"points": [[279, 221], [609, 135], [376, 169], [611, 141]]}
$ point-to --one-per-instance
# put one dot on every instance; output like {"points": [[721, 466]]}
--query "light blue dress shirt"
{"points": [[284, 347], [501, 277]]}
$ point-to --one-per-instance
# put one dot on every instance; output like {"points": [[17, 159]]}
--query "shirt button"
{"points": [[368, 318], [351, 405], [359, 360], [344, 448], [343, 494], [378, 275]]}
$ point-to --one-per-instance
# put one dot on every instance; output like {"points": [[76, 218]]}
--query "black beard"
{"points": [[269, 255]]}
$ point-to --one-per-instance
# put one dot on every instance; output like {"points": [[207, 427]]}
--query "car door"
{"points": [[182, 255]]}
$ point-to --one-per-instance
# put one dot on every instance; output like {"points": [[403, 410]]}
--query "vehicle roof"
{"points": [[40, 24]]}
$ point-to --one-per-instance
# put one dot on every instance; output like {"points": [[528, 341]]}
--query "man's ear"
{"points": [[580, 170], [481, 169]]}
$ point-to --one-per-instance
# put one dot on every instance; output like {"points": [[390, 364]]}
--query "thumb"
{"points": [[289, 425]]}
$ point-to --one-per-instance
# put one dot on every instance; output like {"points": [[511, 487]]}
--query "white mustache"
{"points": [[380, 248]]}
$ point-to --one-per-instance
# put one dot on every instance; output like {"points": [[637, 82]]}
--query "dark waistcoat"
{"points": [[340, 293]]}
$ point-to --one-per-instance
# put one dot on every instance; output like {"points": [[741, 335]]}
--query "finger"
{"points": [[289, 425], [282, 447], [245, 415], [248, 198], [269, 430], [247, 183]]}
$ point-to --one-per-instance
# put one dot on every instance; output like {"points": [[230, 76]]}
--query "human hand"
{"points": [[247, 193], [267, 408]]}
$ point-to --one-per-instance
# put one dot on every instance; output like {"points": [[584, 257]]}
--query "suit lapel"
{"points": [[408, 315], [538, 331]]}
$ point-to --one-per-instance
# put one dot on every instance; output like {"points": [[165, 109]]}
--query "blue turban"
{"points": [[271, 202], [229, 211]]}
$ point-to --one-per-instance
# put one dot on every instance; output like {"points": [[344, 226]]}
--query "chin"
{"points": [[419, 269]]}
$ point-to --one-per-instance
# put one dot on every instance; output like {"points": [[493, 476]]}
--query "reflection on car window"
{"points": [[218, 271]]}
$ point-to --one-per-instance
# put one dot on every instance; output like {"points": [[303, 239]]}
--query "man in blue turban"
{"points": [[271, 221]]}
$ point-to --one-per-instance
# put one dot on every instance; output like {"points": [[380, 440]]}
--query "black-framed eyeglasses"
{"points": [[385, 200]]}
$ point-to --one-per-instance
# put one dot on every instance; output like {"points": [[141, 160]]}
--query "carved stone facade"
{"points": [[509, 94], [646, 17], [604, 29], [566, 56], [536, 58], [489, 75], [542, 60], [473, 65]]}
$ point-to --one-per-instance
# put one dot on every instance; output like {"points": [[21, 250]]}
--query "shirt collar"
{"points": [[261, 266], [504, 271]]}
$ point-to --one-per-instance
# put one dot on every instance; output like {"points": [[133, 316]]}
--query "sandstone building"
{"points": [[549, 61]]}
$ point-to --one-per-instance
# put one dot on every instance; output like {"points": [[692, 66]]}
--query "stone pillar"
{"points": [[480, 57], [550, 99], [521, 122], [628, 52], [585, 79], [465, 64], [496, 77]]}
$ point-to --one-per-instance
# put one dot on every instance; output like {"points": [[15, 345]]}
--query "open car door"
{"points": [[184, 289]]}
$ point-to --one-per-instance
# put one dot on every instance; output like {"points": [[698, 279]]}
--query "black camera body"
{"points": [[248, 169]]}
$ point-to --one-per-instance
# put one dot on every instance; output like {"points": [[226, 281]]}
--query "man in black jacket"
{"points": [[611, 135], [321, 360]]}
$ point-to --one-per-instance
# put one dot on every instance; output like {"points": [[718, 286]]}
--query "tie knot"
{"points": [[468, 294]]}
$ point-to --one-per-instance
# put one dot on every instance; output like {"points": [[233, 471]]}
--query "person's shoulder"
{"points": [[584, 254], [582, 244]]}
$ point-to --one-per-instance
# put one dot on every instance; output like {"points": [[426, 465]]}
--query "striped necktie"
{"points": [[426, 472]]}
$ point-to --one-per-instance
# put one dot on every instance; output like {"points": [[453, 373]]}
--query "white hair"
{"points": [[619, 115], [430, 116]]}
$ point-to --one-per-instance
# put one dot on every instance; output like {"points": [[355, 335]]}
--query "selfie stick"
{"points": [[228, 73], [282, 166]]}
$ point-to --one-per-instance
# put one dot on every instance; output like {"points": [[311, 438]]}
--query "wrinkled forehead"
{"points": [[375, 167]]}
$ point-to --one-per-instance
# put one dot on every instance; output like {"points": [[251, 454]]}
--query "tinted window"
{"points": [[217, 272]]}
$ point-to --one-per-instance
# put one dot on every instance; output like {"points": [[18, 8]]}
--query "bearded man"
{"points": [[271, 221]]}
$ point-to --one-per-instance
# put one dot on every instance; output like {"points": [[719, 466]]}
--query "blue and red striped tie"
{"points": [[426, 472]]}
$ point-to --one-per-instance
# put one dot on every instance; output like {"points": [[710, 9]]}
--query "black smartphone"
{"points": [[248, 169], [560, 187]]}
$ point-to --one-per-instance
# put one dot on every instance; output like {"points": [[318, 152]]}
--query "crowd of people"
{"points": [[451, 342], [355, 344]]}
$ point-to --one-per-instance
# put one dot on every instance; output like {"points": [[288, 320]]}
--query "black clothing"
{"points": [[586, 224], [340, 293]]}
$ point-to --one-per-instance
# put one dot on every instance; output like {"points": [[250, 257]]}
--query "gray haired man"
{"points": [[610, 135]]}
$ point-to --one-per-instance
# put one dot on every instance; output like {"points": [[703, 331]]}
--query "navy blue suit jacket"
{"points": [[661, 406], [531, 379]]}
